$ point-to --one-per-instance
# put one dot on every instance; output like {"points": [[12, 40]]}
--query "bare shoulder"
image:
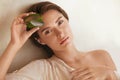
{"points": [[100, 53], [102, 56]]}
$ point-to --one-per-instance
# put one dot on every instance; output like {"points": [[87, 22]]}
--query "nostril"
{"points": [[60, 35]]}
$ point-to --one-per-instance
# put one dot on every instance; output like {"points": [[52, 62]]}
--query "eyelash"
{"points": [[60, 22], [48, 31]]}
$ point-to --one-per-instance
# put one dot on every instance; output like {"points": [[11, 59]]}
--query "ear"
{"points": [[40, 41]]}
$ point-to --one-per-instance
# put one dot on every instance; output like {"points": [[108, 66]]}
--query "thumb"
{"points": [[33, 30]]}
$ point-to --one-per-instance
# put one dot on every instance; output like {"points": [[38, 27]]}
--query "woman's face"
{"points": [[55, 32]]}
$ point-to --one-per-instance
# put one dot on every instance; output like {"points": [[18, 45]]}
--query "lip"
{"points": [[63, 40]]}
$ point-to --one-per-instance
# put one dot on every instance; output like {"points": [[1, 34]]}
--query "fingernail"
{"points": [[38, 27], [27, 14]]}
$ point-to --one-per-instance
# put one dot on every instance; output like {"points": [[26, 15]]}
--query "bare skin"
{"points": [[93, 65], [19, 36], [98, 59], [56, 33]]}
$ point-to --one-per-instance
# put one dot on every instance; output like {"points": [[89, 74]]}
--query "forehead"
{"points": [[51, 15], [49, 18]]}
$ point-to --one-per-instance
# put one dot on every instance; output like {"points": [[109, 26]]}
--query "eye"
{"points": [[46, 32], [60, 22]]}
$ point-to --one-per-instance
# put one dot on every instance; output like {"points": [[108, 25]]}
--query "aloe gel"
{"points": [[33, 20]]}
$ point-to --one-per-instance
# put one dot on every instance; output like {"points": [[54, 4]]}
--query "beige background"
{"points": [[95, 25]]}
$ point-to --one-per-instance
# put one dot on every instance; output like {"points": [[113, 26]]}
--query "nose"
{"points": [[59, 33]]}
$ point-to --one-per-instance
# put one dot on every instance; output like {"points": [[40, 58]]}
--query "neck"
{"points": [[68, 55]]}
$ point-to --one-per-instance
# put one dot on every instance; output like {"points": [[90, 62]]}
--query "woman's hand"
{"points": [[19, 35], [92, 73]]}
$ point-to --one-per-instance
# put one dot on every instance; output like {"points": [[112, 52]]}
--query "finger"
{"points": [[78, 73], [79, 70], [33, 30], [81, 73], [18, 21], [20, 18], [86, 76], [25, 14]]}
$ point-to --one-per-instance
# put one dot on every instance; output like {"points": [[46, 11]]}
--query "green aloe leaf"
{"points": [[34, 20]]}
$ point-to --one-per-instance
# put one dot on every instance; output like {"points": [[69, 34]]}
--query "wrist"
{"points": [[13, 46], [12, 42]]}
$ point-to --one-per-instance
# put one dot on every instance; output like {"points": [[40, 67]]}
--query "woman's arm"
{"points": [[6, 59], [19, 36]]}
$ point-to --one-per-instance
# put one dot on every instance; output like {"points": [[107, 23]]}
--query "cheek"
{"points": [[68, 29], [49, 40]]}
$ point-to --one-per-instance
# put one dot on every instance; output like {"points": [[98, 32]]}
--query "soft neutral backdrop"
{"points": [[95, 25]]}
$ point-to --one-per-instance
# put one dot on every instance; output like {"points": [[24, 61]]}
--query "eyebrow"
{"points": [[58, 19], [55, 22]]}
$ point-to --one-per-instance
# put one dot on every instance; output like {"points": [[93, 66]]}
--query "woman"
{"points": [[67, 63]]}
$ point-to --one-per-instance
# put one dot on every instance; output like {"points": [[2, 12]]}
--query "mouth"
{"points": [[64, 40]]}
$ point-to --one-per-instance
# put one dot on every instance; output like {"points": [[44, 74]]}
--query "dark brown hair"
{"points": [[41, 8]]}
